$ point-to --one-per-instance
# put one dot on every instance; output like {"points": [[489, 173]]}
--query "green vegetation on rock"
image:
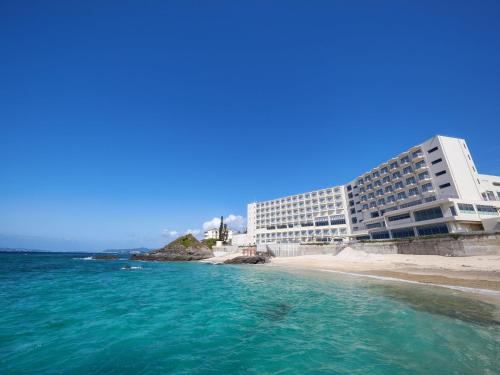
{"points": [[187, 241], [184, 248], [210, 242]]}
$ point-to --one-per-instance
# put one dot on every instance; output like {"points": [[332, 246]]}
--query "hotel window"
{"points": [[430, 230], [399, 217], [440, 173], [379, 192], [380, 235], [437, 161], [464, 207], [486, 210], [432, 150], [405, 160], [420, 164], [365, 207], [411, 180], [396, 175], [381, 201], [427, 187], [394, 165], [403, 233], [413, 191], [376, 174], [384, 170], [423, 175], [390, 199], [371, 195], [429, 214], [388, 189], [398, 185], [444, 185], [407, 170], [369, 186], [417, 153], [386, 179], [337, 220], [402, 195]]}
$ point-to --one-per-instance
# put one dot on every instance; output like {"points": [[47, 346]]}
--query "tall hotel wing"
{"points": [[431, 188]]}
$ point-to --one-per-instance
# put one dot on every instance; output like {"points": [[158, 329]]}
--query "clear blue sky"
{"points": [[124, 119]]}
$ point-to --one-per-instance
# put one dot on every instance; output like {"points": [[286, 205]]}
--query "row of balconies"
{"points": [[336, 194], [375, 206], [393, 164], [302, 233], [316, 213], [395, 178], [301, 203], [382, 183], [308, 209], [336, 219], [423, 185]]}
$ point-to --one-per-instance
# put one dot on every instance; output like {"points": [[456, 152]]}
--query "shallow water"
{"points": [[65, 315]]}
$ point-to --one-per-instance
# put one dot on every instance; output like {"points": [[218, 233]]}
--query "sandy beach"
{"points": [[481, 272]]}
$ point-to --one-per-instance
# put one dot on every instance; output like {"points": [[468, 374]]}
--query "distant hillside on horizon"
{"points": [[127, 251], [23, 250]]}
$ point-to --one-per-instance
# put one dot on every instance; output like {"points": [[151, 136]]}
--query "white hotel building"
{"points": [[432, 188]]}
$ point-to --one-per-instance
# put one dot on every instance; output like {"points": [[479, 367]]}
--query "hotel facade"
{"points": [[431, 188]]}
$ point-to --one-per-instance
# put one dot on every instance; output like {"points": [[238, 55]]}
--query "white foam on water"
{"points": [[460, 288], [86, 258], [132, 268]]}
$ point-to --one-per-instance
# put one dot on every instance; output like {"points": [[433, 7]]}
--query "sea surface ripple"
{"points": [[62, 314]]}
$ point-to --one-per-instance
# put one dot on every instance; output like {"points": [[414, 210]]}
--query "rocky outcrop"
{"points": [[253, 259], [183, 249], [105, 257]]}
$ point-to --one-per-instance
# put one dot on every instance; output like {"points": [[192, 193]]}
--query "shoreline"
{"points": [[476, 274]]}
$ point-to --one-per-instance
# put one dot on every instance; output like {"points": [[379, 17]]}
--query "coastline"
{"points": [[476, 274]]}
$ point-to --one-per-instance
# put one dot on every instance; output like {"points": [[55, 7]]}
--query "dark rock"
{"points": [[105, 257], [183, 249], [254, 259]]}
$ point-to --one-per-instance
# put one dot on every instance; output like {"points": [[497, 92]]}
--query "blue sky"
{"points": [[122, 121]]}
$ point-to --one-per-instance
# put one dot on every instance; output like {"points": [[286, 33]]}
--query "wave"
{"points": [[85, 258], [131, 268]]}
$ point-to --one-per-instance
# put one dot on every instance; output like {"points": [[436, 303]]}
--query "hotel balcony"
{"points": [[421, 168], [417, 156]]}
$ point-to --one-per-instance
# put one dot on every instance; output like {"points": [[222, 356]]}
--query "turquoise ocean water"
{"points": [[60, 313]]}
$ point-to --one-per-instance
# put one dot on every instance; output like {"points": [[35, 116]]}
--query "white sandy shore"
{"points": [[480, 272], [221, 259], [464, 273]]}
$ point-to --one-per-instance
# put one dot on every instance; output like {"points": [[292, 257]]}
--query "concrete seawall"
{"points": [[446, 246], [463, 245]]}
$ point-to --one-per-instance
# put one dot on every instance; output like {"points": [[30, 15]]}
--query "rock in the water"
{"points": [[105, 257], [185, 248], [254, 259]]}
